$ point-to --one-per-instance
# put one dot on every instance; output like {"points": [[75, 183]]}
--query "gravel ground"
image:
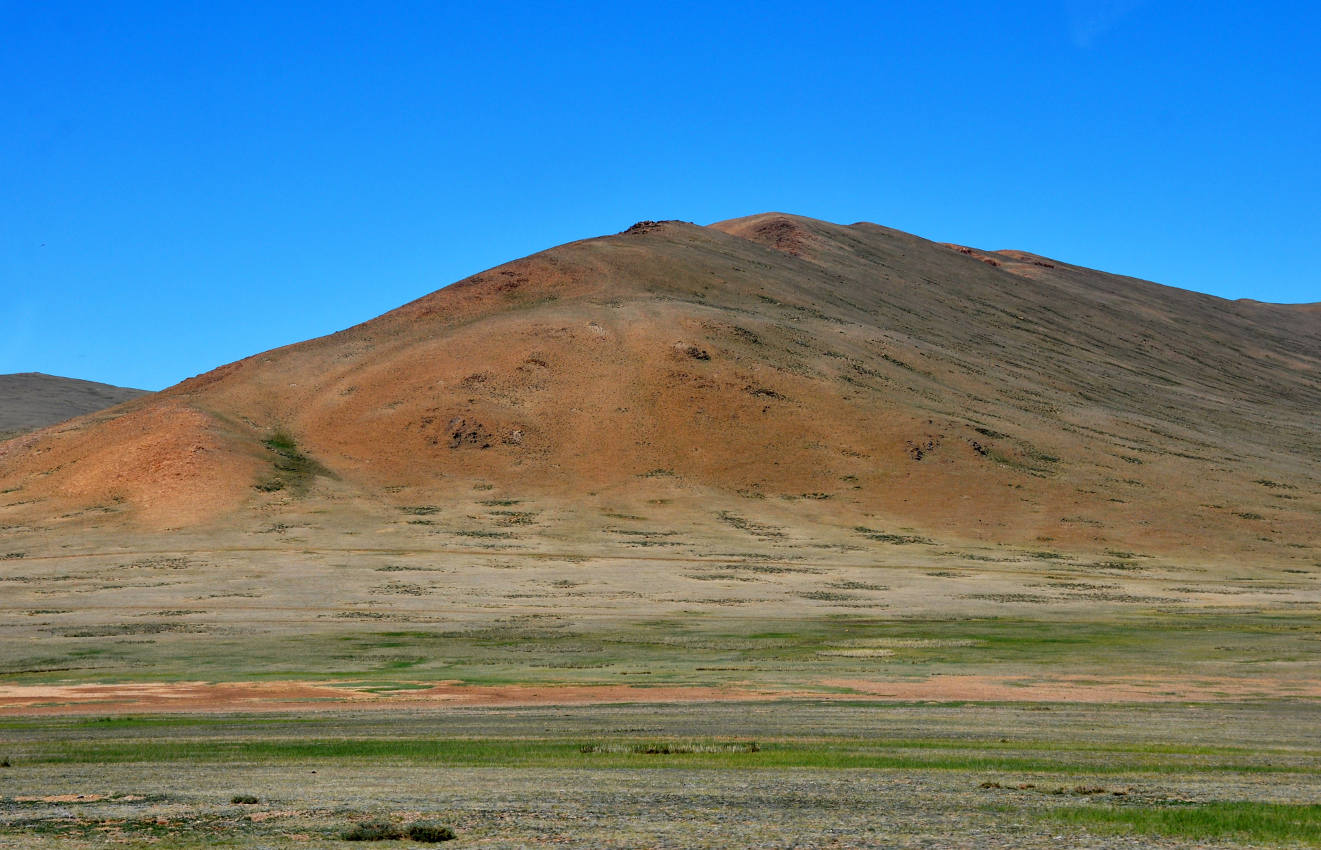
{"points": [[307, 803], [506, 808]]}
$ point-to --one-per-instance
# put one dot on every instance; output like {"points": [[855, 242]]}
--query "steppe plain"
{"points": [[947, 599]]}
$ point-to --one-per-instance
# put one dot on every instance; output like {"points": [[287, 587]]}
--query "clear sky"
{"points": [[185, 184]]}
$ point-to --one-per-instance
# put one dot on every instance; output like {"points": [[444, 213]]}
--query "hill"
{"points": [[774, 378], [31, 400]]}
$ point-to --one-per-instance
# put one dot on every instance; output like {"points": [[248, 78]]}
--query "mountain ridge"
{"points": [[770, 361], [32, 400]]}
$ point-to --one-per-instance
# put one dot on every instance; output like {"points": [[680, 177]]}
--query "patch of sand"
{"points": [[62, 798]]}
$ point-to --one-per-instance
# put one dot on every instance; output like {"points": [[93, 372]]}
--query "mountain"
{"points": [[847, 383], [31, 400]]}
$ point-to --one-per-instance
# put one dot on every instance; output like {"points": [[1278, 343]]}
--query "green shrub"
{"points": [[430, 832], [243, 799], [291, 468], [372, 830]]}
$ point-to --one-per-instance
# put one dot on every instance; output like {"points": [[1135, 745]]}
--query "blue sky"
{"points": [[187, 184]]}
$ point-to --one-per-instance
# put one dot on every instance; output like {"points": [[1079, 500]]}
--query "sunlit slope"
{"points": [[848, 375]]}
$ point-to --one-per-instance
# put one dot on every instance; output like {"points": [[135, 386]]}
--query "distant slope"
{"points": [[30, 400], [761, 371]]}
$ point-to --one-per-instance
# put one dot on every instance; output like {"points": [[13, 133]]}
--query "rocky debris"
{"points": [[464, 433], [975, 254], [923, 448], [648, 226], [496, 280], [783, 235], [474, 380], [510, 280], [693, 351], [745, 335]]}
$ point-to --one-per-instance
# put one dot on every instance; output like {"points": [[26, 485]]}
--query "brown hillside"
{"points": [[766, 368]]}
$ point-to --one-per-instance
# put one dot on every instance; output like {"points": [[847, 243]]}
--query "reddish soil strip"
{"points": [[150, 698], [202, 697], [69, 798], [166, 696]]}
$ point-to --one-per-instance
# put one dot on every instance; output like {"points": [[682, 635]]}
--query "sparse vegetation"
{"points": [[372, 830], [949, 773], [430, 832], [826, 596], [292, 469], [852, 767], [756, 529], [897, 539]]}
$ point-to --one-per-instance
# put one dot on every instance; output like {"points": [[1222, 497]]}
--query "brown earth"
{"points": [[850, 375]]}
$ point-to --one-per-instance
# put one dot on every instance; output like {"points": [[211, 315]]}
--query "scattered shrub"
{"points": [[372, 830], [243, 799], [430, 832]]}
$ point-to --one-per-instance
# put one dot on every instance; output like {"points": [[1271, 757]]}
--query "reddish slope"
{"points": [[993, 396]]}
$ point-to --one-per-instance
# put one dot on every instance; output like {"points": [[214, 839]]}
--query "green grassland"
{"points": [[706, 775], [1261, 822], [701, 649]]}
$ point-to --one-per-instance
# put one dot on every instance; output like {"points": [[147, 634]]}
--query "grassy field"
{"points": [[902, 697], [699, 647], [709, 775], [1282, 822]]}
